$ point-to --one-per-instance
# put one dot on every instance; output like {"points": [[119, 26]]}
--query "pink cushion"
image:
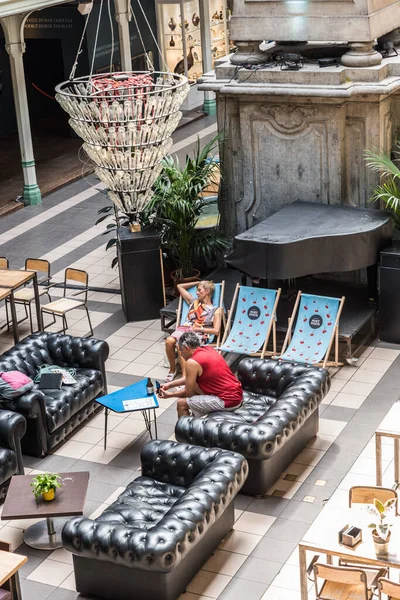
{"points": [[5, 594], [16, 380]]}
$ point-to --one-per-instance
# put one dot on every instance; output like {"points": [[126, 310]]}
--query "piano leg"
{"points": [[372, 278]]}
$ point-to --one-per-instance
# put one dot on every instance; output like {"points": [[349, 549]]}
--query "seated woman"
{"points": [[203, 318]]}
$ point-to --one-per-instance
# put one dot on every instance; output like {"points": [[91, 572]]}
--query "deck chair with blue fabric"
{"points": [[217, 300], [315, 320], [251, 319]]}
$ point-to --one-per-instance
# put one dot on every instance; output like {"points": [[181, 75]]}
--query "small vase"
{"points": [[172, 24], [172, 42], [49, 495], [381, 545]]}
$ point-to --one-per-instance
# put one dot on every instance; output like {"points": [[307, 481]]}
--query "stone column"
{"points": [[210, 103], [13, 27], [361, 54], [123, 17]]}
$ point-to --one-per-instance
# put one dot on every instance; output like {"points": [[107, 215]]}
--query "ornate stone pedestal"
{"points": [[301, 135]]}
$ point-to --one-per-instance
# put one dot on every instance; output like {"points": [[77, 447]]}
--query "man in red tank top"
{"points": [[209, 384]]}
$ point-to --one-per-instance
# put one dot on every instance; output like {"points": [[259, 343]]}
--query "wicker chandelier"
{"points": [[126, 121]]}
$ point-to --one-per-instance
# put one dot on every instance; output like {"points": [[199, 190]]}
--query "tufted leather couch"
{"points": [[278, 417], [53, 414], [154, 538], [12, 428]]}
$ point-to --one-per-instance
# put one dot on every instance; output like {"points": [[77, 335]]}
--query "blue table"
{"points": [[131, 399]]}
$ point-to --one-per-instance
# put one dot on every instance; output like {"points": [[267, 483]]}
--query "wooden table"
{"points": [[324, 540], [9, 565], [69, 501], [7, 293], [13, 280], [390, 427]]}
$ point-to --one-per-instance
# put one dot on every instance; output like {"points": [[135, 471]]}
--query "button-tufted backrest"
{"points": [[53, 348], [268, 376], [174, 463]]}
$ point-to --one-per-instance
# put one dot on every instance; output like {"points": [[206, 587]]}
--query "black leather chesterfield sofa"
{"points": [[278, 417], [12, 428], [152, 541], [53, 414]]}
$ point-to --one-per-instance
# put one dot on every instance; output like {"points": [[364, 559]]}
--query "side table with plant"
{"points": [[382, 513], [45, 485]]}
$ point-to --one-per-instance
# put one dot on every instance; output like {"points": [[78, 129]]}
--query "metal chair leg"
{"points": [[7, 316], [65, 324], [53, 315], [90, 323]]}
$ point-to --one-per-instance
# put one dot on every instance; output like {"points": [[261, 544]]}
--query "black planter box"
{"points": [[140, 273]]}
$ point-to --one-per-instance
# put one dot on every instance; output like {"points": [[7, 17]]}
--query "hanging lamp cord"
{"points": [[152, 35], [96, 40], [112, 36], [75, 65]]}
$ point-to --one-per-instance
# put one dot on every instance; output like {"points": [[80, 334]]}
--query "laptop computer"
{"points": [[50, 381]]}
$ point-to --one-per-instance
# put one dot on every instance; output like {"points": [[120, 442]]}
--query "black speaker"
{"points": [[389, 295], [140, 272]]}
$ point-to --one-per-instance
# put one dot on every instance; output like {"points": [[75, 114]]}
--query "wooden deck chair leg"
{"points": [[228, 324], [335, 332], [272, 325], [221, 311], [290, 325]]}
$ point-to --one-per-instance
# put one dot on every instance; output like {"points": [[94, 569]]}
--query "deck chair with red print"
{"points": [[316, 326], [251, 319]]}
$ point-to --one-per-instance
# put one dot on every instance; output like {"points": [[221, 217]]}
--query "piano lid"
{"points": [[305, 238]]}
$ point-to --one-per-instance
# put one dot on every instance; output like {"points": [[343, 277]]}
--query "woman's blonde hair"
{"points": [[207, 285]]}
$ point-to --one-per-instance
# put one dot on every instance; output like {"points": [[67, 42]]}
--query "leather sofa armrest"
{"points": [[30, 405], [12, 429]]}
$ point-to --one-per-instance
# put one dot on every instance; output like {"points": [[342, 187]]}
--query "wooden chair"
{"points": [[62, 306], [5, 590], [4, 263], [26, 295], [365, 494], [391, 589], [343, 583]]}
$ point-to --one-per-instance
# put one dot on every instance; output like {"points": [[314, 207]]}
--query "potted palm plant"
{"points": [[178, 203], [387, 193], [382, 513], [45, 485]]}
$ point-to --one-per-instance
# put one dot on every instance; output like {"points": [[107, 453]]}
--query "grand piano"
{"points": [[304, 239]]}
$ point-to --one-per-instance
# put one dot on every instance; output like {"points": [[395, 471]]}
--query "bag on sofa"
{"points": [[14, 384]]}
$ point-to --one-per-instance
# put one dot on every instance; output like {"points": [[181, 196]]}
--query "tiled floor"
{"points": [[258, 560]]}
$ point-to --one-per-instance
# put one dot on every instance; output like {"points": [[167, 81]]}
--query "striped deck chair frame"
{"points": [[266, 312], [316, 312], [183, 308]]}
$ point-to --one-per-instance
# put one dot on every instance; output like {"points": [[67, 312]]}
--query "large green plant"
{"points": [[388, 190], [177, 205]]}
